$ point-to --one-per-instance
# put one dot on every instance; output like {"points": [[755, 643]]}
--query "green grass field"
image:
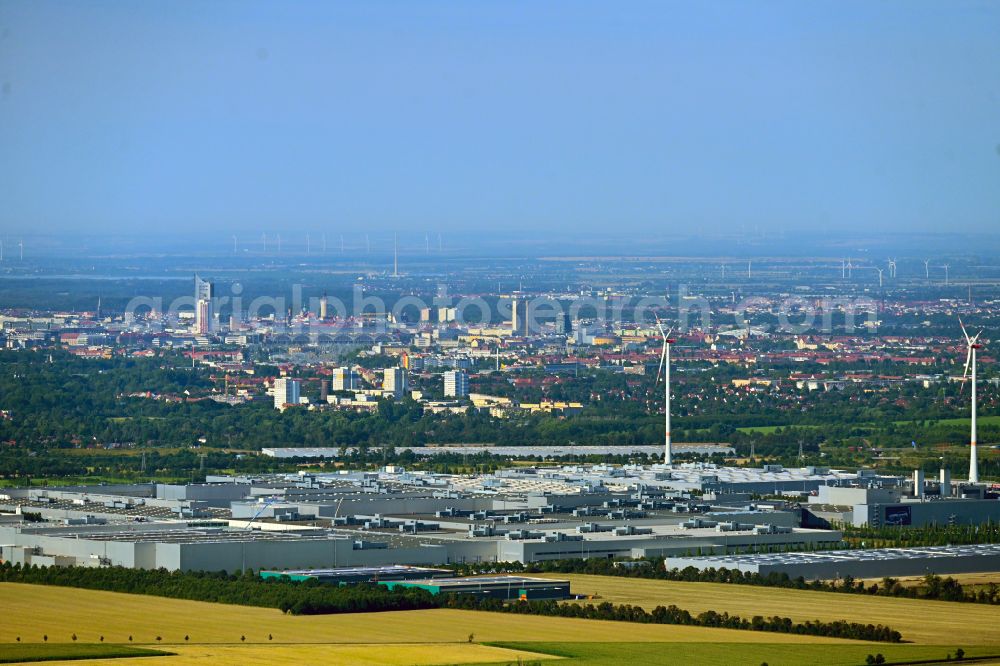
{"points": [[726, 654], [993, 420], [22, 652]]}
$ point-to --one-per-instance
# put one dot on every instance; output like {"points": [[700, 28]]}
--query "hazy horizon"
{"points": [[584, 119]]}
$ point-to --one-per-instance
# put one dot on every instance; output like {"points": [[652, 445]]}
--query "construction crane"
{"points": [[268, 502]]}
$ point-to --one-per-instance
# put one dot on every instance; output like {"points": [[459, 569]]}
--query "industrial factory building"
{"points": [[495, 587], [349, 575], [874, 563], [394, 516]]}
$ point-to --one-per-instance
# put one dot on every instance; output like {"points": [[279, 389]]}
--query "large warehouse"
{"points": [[373, 519], [497, 587], [874, 563]]}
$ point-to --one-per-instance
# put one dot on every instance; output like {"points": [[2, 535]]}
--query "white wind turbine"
{"points": [[927, 268], [665, 371], [970, 364]]}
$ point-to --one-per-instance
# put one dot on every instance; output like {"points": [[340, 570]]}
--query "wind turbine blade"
{"points": [[964, 332]]}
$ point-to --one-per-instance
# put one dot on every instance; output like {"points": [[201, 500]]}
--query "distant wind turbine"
{"points": [[970, 364], [665, 371]]}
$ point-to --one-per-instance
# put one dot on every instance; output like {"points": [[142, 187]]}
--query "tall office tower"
{"points": [[394, 381], [344, 379], [456, 384], [204, 314], [519, 317], [564, 324], [203, 317], [286, 392], [323, 302]]}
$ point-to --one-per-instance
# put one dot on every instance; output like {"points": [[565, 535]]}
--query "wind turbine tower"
{"points": [[970, 363], [879, 277], [946, 267], [395, 257], [668, 458], [20, 246], [927, 268]]}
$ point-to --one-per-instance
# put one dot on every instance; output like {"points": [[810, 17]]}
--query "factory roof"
{"points": [[834, 556]]}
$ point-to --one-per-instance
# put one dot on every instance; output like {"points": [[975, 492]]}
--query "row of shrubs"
{"points": [[245, 589], [314, 598], [674, 615]]}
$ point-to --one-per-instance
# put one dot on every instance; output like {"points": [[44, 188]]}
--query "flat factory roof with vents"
{"points": [[346, 575], [873, 563]]}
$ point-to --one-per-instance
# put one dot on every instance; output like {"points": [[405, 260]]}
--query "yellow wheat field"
{"points": [[424, 654], [927, 622], [33, 610]]}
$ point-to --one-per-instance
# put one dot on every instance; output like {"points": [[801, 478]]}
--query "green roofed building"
{"points": [[498, 587]]}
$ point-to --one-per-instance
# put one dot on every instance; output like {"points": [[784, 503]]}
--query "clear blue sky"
{"points": [[557, 116]]}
